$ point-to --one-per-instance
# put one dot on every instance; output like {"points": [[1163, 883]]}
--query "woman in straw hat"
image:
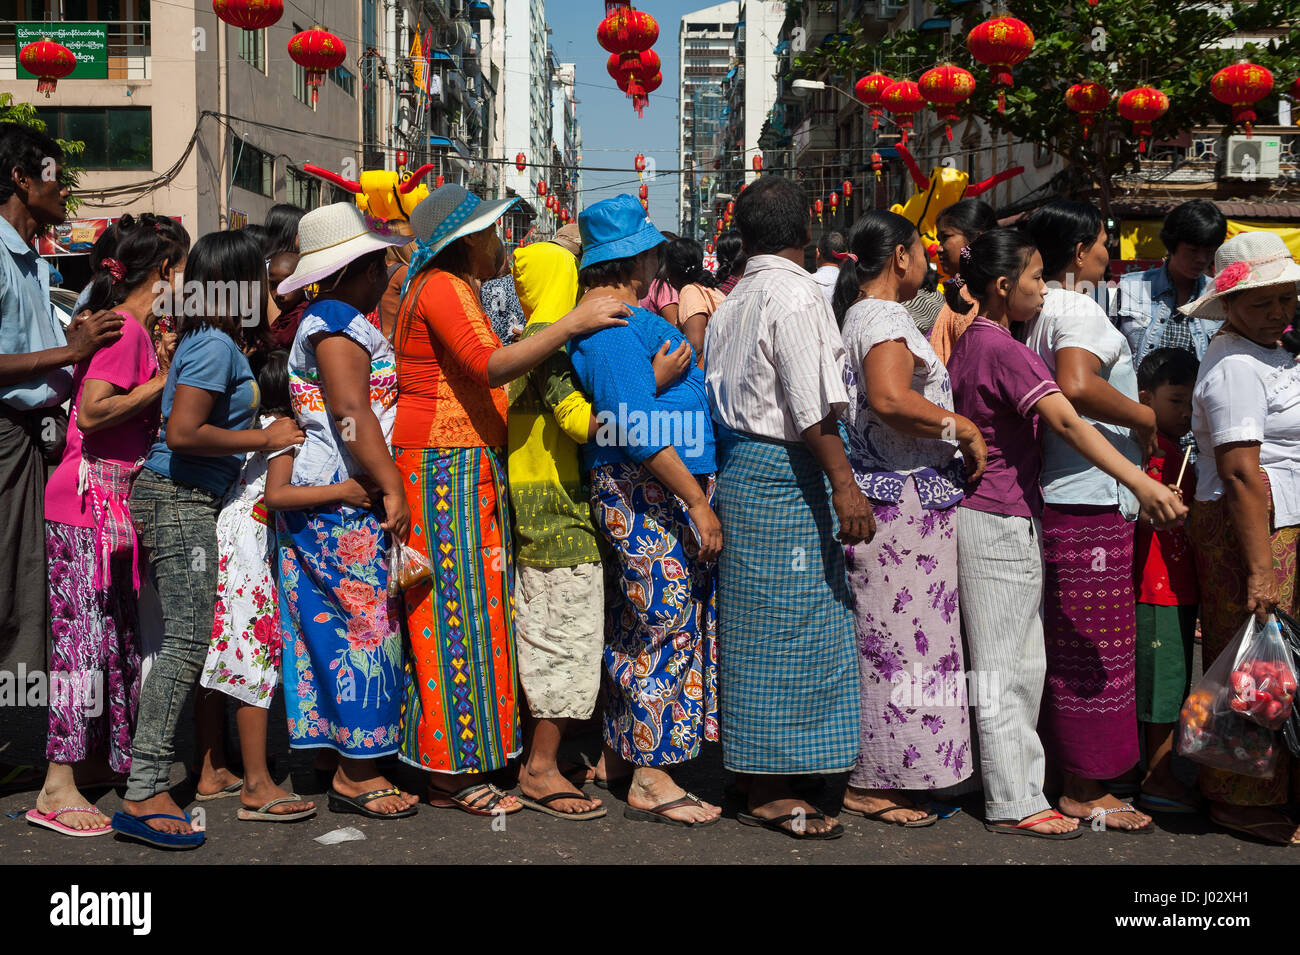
{"points": [[1245, 521], [461, 718], [343, 673]]}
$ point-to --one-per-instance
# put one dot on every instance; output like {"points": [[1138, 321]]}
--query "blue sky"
{"points": [[612, 134]]}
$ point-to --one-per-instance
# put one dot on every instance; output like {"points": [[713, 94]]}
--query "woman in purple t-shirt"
{"points": [[90, 544], [1006, 389]]}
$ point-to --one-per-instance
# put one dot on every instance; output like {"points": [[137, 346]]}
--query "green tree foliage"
{"points": [[1119, 43], [25, 113]]}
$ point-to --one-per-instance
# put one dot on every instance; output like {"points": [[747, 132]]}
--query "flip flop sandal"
{"points": [[658, 813], [50, 820], [879, 816], [264, 814], [1022, 828], [460, 800], [543, 804], [1248, 829], [231, 790], [358, 804], [1101, 813], [1166, 804], [135, 827], [775, 824]]}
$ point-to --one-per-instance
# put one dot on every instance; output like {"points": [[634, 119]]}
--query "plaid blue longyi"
{"points": [[787, 655]]}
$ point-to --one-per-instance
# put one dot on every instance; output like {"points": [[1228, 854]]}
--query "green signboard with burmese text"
{"points": [[87, 41]]}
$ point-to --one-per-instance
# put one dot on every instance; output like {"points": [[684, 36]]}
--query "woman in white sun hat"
{"points": [[1245, 522], [342, 666], [462, 714]]}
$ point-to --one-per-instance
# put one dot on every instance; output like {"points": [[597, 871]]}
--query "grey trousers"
{"points": [[178, 531], [1000, 579]]}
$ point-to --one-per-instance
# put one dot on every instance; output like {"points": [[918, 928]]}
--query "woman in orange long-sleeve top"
{"points": [[461, 714]]}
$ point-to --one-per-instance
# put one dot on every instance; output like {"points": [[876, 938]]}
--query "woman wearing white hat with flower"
{"points": [[1245, 522], [342, 666]]}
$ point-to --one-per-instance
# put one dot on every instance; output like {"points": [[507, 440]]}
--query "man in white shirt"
{"points": [[830, 245], [788, 503]]}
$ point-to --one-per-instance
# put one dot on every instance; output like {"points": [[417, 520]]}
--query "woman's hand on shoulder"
{"points": [[668, 365], [595, 312], [282, 433]]}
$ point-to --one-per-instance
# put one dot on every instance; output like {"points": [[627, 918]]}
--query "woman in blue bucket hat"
{"points": [[652, 468]]}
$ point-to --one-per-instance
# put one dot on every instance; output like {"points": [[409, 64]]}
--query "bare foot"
{"points": [[540, 784], [255, 797], [359, 787], [51, 799], [654, 787], [161, 803], [869, 801], [1048, 825], [784, 807], [1129, 819]]}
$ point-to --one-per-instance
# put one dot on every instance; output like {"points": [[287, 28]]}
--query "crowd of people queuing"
{"points": [[887, 545]]}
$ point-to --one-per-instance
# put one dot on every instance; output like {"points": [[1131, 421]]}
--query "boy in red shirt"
{"points": [[1165, 582]]}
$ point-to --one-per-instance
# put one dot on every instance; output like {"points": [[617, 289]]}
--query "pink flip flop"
{"points": [[50, 820]]}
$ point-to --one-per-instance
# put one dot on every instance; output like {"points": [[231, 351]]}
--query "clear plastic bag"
{"points": [[406, 567], [1230, 719]]}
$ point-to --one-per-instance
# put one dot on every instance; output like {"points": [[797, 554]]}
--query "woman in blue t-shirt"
{"points": [[209, 402]]}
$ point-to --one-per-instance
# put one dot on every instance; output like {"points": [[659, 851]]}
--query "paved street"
{"points": [[441, 836]]}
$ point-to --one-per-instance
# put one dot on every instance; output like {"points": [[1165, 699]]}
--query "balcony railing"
{"points": [[1203, 159], [128, 49]]}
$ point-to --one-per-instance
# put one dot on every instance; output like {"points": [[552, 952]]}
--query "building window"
{"points": [[301, 91], [301, 189], [343, 78], [254, 169], [119, 137], [252, 48]]}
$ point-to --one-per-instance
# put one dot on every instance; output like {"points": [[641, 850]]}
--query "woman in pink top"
{"points": [[697, 298], [1007, 391], [89, 541]]}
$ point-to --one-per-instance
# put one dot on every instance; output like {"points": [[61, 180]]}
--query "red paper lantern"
{"points": [[718, 226], [1001, 43], [249, 14], [541, 187], [877, 164], [869, 90], [639, 162], [946, 87], [627, 30], [317, 51], [709, 248], [440, 182], [757, 163], [48, 61], [630, 70], [835, 201], [644, 191], [903, 98], [1241, 86], [731, 206], [817, 207], [1142, 106], [521, 162], [510, 234], [645, 204], [641, 102], [1087, 99], [401, 157], [848, 192]]}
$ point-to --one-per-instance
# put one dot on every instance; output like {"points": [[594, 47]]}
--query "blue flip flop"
{"points": [[135, 827]]}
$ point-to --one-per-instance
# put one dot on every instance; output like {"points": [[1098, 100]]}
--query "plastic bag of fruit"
{"points": [[1231, 718], [1291, 635]]}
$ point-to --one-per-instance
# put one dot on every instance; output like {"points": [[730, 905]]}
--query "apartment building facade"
{"points": [[706, 51]]}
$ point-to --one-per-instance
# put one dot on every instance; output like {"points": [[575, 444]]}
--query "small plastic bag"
{"points": [[406, 567], [1230, 718]]}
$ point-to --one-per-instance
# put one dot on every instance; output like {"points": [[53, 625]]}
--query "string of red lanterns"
{"points": [[628, 35]]}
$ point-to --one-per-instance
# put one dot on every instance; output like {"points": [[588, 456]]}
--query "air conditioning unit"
{"points": [[1252, 157]]}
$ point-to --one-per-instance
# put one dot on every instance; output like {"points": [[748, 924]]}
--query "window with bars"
{"points": [[301, 189], [252, 48], [254, 169]]}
